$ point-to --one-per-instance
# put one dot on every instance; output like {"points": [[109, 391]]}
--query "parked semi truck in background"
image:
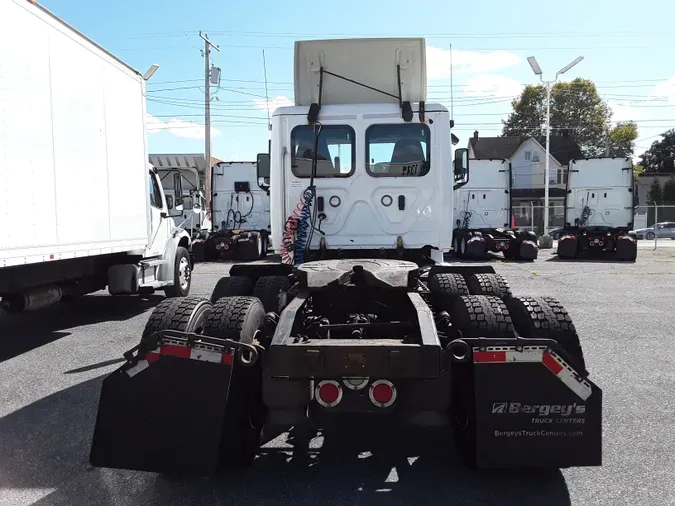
{"points": [[72, 126], [600, 204], [483, 214], [240, 212]]}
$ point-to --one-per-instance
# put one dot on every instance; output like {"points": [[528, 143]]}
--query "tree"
{"points": [[668, 192], [653, 199], [576, 108], [638, 170], [622, 138], [660, 157]]}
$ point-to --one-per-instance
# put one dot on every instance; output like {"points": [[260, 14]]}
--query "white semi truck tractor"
{"points": [[363, 318], [82, 209]]}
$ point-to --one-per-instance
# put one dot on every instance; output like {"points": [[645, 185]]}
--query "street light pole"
{"points": [[537, 70]]}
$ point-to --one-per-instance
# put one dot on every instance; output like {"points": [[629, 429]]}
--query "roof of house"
{"points": [[563, 148]]}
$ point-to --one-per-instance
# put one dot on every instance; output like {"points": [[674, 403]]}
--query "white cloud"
{"points": [[274, 103], [622, 111], [467, 62], [487, 85], [665, 91], [178, 127]]}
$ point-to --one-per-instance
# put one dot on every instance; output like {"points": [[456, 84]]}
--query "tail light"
{"points": [[382, 393], [328, 393]]}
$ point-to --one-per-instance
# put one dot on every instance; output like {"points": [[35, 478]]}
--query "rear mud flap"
{"points": [[172, 409], [626, 248], [523, 406], [528, 250], [567, 247], [476, 247]]}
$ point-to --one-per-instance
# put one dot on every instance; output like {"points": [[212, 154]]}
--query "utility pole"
{"points": [[207, 115]]}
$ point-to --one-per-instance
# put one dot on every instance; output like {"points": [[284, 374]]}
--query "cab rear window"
{"points": [[398, 150], [336, 151]]}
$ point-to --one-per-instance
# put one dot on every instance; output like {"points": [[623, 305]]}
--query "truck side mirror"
{"points": [[461, 168], [263, 165], [169, 201], [179, 205]]}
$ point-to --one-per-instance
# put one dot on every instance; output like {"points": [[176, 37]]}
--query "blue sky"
{"points": [[626, 48]]}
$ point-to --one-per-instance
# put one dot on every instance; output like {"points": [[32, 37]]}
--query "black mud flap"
{"points": [[476, 247], [166, 409], [523, 406], [528, 250], [626, 248], [567, 246]]}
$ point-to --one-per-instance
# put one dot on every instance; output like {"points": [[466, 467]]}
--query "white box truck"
{"points": [[72, 133]]}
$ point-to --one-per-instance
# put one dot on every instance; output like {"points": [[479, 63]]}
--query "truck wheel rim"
{"points": [[184, 273]]}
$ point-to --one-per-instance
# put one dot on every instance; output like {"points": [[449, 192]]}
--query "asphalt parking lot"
{"points": [[52, 364]]}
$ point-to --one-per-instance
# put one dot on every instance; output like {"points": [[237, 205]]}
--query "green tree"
{"points": [[654, 198], [576, 108], [638, 170], [668, 192], [622, 138], [660, 157]]}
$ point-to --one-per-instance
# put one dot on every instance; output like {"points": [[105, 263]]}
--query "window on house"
{"points": [[528, 156], [535, 156]]}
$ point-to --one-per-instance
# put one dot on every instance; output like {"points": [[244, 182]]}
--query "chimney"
{"points": [[475, 134]]}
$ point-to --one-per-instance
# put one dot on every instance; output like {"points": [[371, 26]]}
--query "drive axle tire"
{"points": [[239, 318], [546, 318], [271, 290], [185, 314], [232, 286], [482, 316], [445, 288], [489, 284]]}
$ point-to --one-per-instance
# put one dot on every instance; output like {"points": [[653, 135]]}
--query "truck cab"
{"points": [[381, 153]]}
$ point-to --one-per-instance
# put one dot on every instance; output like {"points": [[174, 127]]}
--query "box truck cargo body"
{"points": [[82, 208]]}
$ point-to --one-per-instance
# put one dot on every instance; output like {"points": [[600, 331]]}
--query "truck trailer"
{"points": [[600, 204], [483, 210], [82, 207], [240, 210], [363, 317]]}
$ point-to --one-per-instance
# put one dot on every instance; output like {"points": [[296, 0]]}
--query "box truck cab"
{"points": [[185, 200]]}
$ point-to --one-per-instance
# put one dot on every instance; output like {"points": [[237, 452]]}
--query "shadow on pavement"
{"points": [[24, 332], [46, 446]]}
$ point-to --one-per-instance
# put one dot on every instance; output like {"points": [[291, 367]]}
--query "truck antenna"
{"points": [[267, 98], [452, 103]]}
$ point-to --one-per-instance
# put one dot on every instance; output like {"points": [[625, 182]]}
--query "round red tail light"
{"points": [[328, 393], [382, 393]]}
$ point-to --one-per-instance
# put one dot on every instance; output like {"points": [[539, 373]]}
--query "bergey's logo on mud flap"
{"points": [[517, 408]]}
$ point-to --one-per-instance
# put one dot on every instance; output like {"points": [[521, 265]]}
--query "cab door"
{"points": [[161, 225]]}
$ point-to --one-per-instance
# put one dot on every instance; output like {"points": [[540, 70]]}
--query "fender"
{"points": [[179, 237]]}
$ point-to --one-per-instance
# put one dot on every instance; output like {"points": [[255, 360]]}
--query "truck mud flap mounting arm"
{"points": [[169, 407], [520, 403]]}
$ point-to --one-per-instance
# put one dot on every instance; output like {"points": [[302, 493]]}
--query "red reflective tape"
{"points": [[552, 364], [227, 358], [175, 351], [152, 357], [489, 356]]}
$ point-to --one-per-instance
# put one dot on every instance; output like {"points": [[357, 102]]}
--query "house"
{"points": [[528, 166]]}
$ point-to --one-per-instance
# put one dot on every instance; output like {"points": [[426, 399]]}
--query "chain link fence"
{"points": [[531, 217]]}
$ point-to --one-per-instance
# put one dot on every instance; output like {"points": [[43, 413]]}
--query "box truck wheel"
{"points": [[546, 318], [232, 286], [182, 276], [239, 319], [185, 314], [489, 284]]}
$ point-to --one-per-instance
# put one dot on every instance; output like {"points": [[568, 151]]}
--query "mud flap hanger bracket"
{"points": [[247, 354], [406, 108]]}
